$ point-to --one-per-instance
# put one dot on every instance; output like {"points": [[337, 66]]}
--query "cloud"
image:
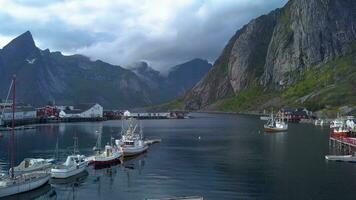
{"points": [[161, 32]]}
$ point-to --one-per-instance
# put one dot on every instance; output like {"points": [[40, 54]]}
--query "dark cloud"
{"points": [[124, 32]]}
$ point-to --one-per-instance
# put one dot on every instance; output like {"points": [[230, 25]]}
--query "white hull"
{"points": [[24, 186], [132, 151], [345, 158], [66, 173]]}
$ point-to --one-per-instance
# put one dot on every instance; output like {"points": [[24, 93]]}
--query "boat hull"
{"points": [[24, 187], [345, 158], [269, 129], [66, 173], [99, 162]]}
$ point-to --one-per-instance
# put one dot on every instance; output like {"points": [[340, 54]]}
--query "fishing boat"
{"points": [[338, 122], [33, 164], [275, 125], [14, 184], [111, 154], [73, 165], [131, 140]]}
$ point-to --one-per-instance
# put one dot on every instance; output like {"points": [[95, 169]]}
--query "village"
{"points": [[27, 114]]}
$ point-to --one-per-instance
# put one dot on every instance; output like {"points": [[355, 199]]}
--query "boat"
{"points": [[111, 154], [340, 131], [338, 122], [341, 158], [14, 184], [275, 125], [131, 141], [73, 165], [319, 122], [33, 164], [11, 185]]}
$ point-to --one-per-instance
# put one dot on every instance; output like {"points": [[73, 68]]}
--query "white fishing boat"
{"points": [[341, 158], [275, 125], [14, 184], [131, 141], [73, 165], [33, 164]]}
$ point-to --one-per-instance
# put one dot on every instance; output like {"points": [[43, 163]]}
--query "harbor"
{"points": [[262, 160]]}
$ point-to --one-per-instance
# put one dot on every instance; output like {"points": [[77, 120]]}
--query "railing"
{"points": [[344, 139]]}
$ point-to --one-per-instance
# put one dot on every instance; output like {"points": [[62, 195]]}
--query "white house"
{"points": [[83, 111]]}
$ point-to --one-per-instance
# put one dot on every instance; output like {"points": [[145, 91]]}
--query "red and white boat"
{"points": [[111, 155]]}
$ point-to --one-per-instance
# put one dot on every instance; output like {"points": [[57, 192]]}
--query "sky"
{"points": [[161, 32]]}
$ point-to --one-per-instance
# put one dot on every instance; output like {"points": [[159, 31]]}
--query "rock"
{"points": [[274, 50]]}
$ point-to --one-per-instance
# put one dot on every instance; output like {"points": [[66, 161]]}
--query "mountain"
{"points": [[180, 79], [44, 76], [300, 55]]}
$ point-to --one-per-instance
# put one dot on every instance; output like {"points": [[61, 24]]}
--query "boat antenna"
{"points": [[12, 162]]}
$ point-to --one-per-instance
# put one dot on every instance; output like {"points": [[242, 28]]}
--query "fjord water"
{"points": [[233, 159]]}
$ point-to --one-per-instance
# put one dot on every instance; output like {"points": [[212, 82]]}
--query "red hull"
{"points": [[100, 164]]}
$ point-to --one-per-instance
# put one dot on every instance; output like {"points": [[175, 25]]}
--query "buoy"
{"points": [[199, 137]]}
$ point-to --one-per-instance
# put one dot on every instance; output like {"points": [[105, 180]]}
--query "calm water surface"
{"points": [[234, 159]]}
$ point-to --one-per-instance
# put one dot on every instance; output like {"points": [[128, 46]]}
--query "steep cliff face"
{"points": [[308, 33], [274, 50]]}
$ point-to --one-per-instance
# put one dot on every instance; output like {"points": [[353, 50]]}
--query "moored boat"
{"points": [[74, 164], [110, 155], [14, 184], [275, 125], [22, 183], [341, 158], [131, 140], [33, 164]]}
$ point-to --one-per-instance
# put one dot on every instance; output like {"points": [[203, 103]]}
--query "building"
{"points": [[48, 112], [83, 111], [21, 113], [295, 115]]}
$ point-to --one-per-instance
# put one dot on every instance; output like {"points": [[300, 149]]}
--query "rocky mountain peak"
{"points": [[20, 48]]}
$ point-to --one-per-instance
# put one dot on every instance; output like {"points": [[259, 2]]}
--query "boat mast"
{"points": [[75, 148], [12, 162]]}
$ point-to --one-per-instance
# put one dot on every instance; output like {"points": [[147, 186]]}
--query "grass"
{"points": [[326, 86], [246, 100]]}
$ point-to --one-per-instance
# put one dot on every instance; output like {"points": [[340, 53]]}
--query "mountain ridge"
{"points": [[275, 51]]}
